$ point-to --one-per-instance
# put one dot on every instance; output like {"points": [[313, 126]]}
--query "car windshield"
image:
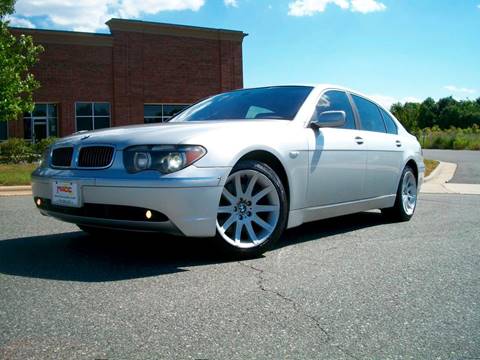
{"points": [[280, 102]]}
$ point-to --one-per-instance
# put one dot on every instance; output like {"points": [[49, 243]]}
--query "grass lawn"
{"points": [[16, 174], [430, 165]]}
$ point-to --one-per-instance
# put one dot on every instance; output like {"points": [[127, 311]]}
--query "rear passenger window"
{"points": [[391, 126], [336, 101], [370, 116]]}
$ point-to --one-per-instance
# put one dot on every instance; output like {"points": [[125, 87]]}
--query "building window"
{"points": [[92, 115], [41, 123], [3, 130], [154, 113]]}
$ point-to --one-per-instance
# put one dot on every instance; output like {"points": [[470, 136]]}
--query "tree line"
{"points": [[444, 114]]}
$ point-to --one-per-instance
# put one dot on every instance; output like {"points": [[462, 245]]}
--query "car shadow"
{"points": [[76, 256]]}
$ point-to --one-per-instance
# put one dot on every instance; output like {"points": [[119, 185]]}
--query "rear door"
{"points": [[337, 158], [385, 150]]}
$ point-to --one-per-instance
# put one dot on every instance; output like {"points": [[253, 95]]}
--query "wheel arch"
{"points": [[413, 164], [274, 162]]}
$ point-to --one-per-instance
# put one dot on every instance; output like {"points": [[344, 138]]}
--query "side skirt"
{"points": [[300, 216]]}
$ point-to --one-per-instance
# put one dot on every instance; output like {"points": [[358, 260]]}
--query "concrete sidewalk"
{"points": [[438, 182], [15, 190]]}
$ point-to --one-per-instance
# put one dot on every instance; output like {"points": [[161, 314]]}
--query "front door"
{"points": [[337, 157]]}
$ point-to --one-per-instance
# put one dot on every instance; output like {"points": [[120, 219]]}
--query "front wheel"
{"points": [[406, 200], [252, 213]]}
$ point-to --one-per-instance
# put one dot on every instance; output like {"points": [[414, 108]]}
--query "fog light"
{"points": [[148, 214], [38, 202]]}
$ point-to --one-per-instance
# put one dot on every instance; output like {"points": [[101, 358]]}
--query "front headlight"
{"points": [[164, 158]]}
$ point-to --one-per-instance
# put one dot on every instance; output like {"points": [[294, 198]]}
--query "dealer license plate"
{"points": [[65, 193]]}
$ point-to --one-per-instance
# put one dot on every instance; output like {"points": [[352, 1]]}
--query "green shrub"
{"points": [[43, 144], [14, 150], [453, 138]]}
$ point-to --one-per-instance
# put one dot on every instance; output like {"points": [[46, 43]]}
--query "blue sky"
{"points": [[394, 50]]}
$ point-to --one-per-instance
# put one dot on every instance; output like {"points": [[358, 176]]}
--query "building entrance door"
{"points": [[39, 129]]}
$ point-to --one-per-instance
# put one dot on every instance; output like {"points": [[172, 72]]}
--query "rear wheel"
{"points": [[252, 213], [406, 200]]}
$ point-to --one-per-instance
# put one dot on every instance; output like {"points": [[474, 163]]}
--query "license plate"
{"points": [[65, 193]]}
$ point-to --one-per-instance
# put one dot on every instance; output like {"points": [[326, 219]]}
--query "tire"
{"points": [[406, 199], [253, 210]]}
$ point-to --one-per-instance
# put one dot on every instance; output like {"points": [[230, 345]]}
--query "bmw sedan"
{"points": [[240, 166]]}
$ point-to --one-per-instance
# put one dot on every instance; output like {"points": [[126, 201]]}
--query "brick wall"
{"points": [[129, 69]]}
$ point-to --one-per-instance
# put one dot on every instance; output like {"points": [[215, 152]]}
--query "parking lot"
{"points": [[352, 287]]}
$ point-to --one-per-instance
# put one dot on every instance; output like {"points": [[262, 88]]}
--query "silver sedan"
{"points": [[241, 166]]}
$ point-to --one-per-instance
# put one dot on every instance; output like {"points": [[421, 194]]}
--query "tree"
{"points": [[428, 114], [444, 113], [407, 114], [17, 56]]}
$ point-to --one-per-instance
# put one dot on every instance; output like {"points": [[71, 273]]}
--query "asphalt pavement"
{"points": [[468, 169], [352, 287]]}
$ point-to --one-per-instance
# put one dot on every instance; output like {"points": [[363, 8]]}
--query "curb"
{"points": [[15, 190], [438, 182], [443, 173]]}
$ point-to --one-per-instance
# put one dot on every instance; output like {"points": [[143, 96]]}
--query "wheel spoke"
{"points": [[265, 208], [226, 209], [226, 225], [262, 193], [238, 231], [229, 196], [262, 223], [251, 232], [238, 185], [251, 185]]}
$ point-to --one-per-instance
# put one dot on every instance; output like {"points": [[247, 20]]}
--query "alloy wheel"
{"points": [[409, 193], [249, 209]]}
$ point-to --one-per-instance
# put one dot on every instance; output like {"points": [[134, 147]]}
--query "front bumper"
{"points": [[189, 200]]}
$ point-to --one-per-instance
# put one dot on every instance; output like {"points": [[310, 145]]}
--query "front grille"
{"points": [[62, 157], [95, 156]]}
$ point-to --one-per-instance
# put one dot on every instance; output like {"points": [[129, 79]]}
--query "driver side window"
{"points": [[335, 100]]}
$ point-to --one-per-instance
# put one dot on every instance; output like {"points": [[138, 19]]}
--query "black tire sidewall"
{"points": [[402, 215], [282, 217]]}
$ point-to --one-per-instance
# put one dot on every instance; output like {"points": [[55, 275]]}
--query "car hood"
{"points": [[168, 133]]}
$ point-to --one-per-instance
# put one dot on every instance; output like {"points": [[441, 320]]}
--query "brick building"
{"points": [[140, 72]]}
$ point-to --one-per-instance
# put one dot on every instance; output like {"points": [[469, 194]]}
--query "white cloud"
{"points": [[310, 7], [232, 3], [366, 6], [17, 21], [387, 101], [457, 89], [90, 15]]}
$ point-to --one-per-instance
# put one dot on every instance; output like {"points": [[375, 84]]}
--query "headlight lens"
{"points": [[164, 158]]}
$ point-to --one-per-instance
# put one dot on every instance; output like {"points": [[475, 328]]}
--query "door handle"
{"points": [[398, 143], [359, 140]]}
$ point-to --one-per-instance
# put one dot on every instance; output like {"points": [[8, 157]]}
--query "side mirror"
{"points": [[329, 119]]}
